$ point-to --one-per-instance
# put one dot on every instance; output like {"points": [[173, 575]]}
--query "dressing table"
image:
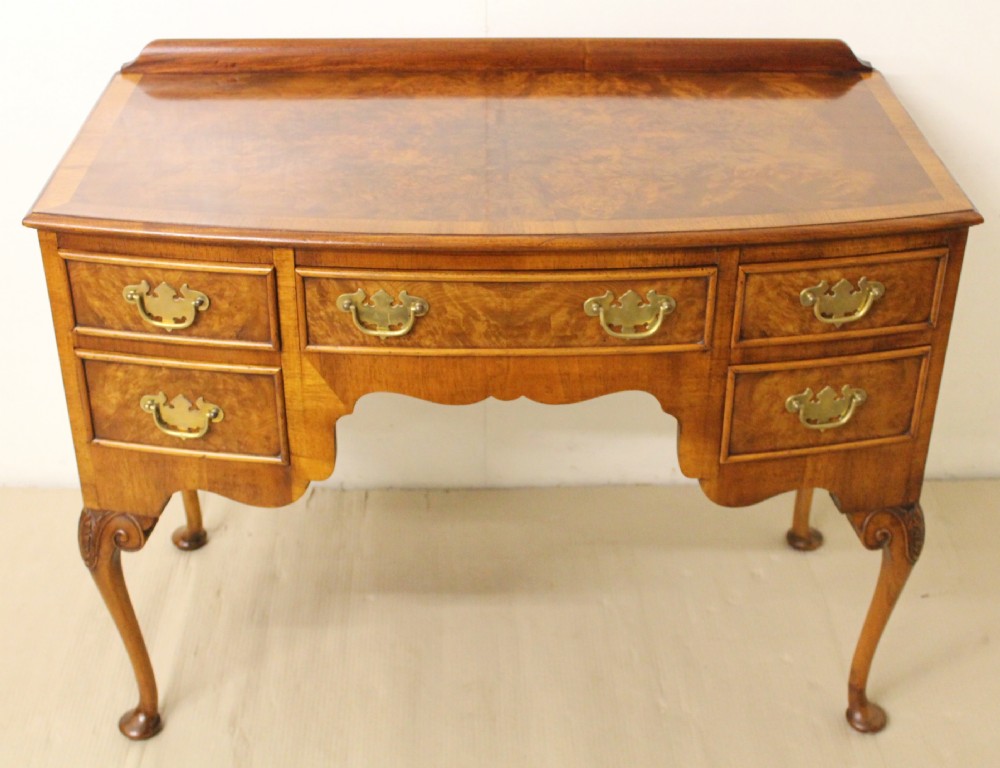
{"points": [[248, 236]]}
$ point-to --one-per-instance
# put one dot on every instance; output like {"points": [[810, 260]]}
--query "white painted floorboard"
{"points": [[571, 627]]}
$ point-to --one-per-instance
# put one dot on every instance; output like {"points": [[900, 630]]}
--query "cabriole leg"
{"points": [[899, 533], [192, 535], [800, 536], [103, 536]]}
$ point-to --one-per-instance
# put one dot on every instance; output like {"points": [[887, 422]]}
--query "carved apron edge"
{"points": [[99, 527]]}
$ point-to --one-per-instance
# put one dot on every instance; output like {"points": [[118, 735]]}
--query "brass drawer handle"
{"points": [[179, 418], [174, 312], [827, 410], [381, 315], [633, 319], [842, 303]]}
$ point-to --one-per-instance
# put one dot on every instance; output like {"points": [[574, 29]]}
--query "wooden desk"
{"points": [[248, 236]]}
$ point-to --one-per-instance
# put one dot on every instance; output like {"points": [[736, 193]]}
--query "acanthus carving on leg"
{"points": [[875, 529], [121, 529], [899, 533], [102, 536]]}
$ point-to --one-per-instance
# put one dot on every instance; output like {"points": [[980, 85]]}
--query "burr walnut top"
{"points": [[507, 142]]}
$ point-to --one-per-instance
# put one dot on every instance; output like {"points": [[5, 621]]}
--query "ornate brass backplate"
{"points": [[381, 315], [842, 303], [179, 418], [628, 317], [827, 410], [163, 307]]}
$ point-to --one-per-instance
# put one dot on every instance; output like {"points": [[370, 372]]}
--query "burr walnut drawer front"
{"points": [[186, 408], [819, 405], [186, 302], [580, 311], [864, 296]]}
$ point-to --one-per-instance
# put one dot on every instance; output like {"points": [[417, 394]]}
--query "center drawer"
{"points": [[475, 312]]}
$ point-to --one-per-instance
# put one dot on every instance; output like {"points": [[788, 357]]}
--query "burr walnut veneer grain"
{"points": [[242, 309], [248, 236], [500, 313], [769, 309]]}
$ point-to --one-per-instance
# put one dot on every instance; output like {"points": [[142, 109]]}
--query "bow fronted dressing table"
{"points": [[248, 236]]}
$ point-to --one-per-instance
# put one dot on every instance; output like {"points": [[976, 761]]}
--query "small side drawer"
{"points": [[217, 304], [186, 408], [787, 409], [480, 312], [901, 291]]}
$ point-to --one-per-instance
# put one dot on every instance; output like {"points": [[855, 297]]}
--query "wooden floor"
{"points": [[574, 627]]}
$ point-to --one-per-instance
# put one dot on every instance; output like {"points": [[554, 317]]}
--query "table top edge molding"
{"points": [[494, 243]]}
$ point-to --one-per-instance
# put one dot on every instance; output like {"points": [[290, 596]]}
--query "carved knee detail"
{"points": [[878, 529], [101, 528]]}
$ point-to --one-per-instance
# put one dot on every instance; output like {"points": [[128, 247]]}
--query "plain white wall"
{"points": [[941, 58]]}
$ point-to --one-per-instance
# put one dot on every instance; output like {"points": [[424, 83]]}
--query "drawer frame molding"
{"points": [[708, 272], [923, 352], [247, 270], [835, 330], [274, 372]]}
